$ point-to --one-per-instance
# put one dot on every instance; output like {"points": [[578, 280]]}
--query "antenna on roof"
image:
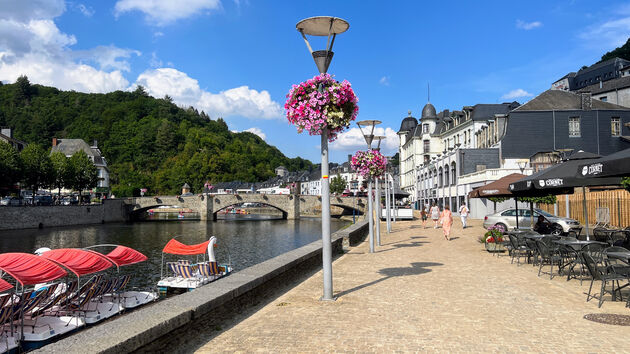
{"points": [[428, 93]]}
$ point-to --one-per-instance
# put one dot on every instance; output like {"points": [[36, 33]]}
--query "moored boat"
{"points": [[183, 275]]}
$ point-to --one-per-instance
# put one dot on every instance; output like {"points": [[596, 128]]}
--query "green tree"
{"points": [[10, 166], [61, 170], [82, 171], [337, 185], [23, 90], [622, 52], [37, 167]]}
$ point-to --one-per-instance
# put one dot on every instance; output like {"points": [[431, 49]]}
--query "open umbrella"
{"points": [[498, 188], [617, 164], [561, 179]]}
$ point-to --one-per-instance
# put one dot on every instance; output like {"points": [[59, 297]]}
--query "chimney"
{"points": [[95, 143], [349, 157], [587, 101], [6, 131], [54, 143]]}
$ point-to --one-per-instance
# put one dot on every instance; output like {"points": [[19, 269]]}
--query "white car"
{"points": [[506, 219]]}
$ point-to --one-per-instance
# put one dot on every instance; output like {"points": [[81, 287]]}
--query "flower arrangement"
{"points": [[369, 163], [493, 235], [322, 102]]}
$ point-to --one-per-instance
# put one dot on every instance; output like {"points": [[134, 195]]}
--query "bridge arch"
{"points": [[217, 209]]}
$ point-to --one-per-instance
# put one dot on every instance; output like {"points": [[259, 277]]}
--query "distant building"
{"points": [[6, 135], [70, 146], [608, 81]]}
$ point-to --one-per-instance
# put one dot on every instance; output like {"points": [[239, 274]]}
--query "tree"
{"points": [[23, 90], [10, 166], [622, 52], [60, 170], [37, 167], [82, 171], [337, 185]]}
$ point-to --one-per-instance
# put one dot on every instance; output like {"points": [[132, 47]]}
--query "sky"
{"points": [[237, 59]]}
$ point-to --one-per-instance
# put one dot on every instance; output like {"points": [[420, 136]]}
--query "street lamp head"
{"points": [[368, 133], [322, 26], [378, 139]]}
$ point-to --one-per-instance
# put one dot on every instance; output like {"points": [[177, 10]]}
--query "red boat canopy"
{"points": [[29, 269], [175, 247], [80, 262], [4, 285], [122, 255]]}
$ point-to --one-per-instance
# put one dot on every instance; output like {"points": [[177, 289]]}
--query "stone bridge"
{"points": [[207, 205]]}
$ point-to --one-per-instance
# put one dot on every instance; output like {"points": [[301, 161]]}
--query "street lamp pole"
{"points": [[330, 27], [369, 136], [387, 205], [378, 196]]}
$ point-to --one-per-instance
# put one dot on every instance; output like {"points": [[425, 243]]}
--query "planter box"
{"points": [[494, 247]]}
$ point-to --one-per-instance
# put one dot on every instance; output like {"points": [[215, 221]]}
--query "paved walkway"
{"points": [[422, 293]]}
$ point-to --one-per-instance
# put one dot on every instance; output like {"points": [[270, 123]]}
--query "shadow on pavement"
{"points": [[415, 269]]}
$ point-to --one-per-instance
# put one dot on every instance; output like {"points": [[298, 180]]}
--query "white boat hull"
{"points": [[43, 328], [131, 299]]}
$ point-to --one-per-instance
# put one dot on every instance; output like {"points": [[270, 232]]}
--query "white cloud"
{"points": [[607, 35], [384, 81], [528, 25], [352, 140], [239, 101], [164, 12], [518, 93], [258, 132], [85, 10], [31, 44]]}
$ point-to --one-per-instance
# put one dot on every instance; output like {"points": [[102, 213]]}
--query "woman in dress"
{"points": [[435, 215], [447, 220]]}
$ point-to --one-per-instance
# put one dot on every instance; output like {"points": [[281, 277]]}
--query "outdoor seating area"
{"points": [[604, 264]]}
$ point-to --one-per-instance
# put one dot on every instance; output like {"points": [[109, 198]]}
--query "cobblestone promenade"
{"points": [[420, 292]]}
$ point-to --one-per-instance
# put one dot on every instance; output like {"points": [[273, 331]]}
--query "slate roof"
{"points": [[559, 100], [69, 146], [610, 85]]}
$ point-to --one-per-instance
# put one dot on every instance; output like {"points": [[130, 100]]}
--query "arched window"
{"points": [[440, 177], [446, 179], [453, 174]]}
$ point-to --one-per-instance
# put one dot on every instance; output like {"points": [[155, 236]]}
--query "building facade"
{"points": [[70, 146]]}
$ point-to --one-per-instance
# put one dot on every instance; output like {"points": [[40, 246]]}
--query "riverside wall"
{"points": [[177, 321], [27, 217]]}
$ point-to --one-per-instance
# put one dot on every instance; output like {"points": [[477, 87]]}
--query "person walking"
{"points": [[423, 214], [463, 214], [435, 215], [446, 218]]}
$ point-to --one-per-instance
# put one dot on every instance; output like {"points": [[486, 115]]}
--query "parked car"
{"points": [[43, 200], [11, 201], [69, 200], [507, 220]]}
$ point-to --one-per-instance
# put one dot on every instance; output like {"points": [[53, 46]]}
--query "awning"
{"points": [[80, 262], [122, 255], [29, 269], [4, 285], [175, 247], [617, 164], [498, 188]]}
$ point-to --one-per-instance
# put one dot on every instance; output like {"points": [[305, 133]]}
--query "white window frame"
{"points": [[615, 122], [575, 130]]}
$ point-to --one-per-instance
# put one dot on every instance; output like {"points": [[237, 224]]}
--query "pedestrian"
{"points": [[423, 214], [435, 215], [446, 218], [463, 214]]}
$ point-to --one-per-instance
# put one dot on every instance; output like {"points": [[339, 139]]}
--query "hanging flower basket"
{"points": [[369, 163], [322, 102]]}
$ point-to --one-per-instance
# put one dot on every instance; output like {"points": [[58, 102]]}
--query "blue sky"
{"points": [[237, 59]]}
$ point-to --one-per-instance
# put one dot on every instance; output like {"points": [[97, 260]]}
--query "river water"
{"points": [[243, 240]]}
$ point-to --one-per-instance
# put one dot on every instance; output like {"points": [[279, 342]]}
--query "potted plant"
{"points": [[322, 102], [493, 239]]}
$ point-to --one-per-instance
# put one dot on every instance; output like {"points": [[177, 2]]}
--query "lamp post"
{"points": [[388, 213], [378, 138], [329, 27], [368, 134]]}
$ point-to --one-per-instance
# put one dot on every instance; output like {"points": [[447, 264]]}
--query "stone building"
{"points": [[6, 135], [69, 146]]}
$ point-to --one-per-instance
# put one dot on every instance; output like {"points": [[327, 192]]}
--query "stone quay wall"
{"points": [[180, 320], [27, 217]]}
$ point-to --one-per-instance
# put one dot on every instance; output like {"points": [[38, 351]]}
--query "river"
{"points": [[244, 240]]}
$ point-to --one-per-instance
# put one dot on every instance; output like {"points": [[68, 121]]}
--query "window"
{"points": [[615, 126], [574, 127], [510, 212], [453, 174], [604, 98], [425, 129], [426, 146]]}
